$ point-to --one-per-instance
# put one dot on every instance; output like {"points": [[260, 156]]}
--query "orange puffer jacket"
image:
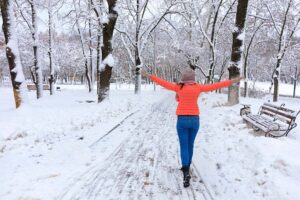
{"points": [[188, 94]]}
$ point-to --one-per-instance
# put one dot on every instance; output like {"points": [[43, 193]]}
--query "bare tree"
{"points": [[50, 53], [295, 78], [12, 51], [247, 53], [107, 64], [283, 44], [97, 8], [82, 41], [37, 67], [38, 78], [143, 28], [90, 42], [215, 23], [237, 50]]}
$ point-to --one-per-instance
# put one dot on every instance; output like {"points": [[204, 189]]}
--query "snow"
{"points": [[53, 138], [109, 60], [236, 63], [104, 19], [236, 29], [279, 56], [253, 166], [241, 36]]}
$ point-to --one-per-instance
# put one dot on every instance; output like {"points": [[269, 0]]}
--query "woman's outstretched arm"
{"points": [[161, 82], [219, 85]]}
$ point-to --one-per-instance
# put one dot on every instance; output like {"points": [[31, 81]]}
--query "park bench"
{"points": [[33, 87], [275, 121]]}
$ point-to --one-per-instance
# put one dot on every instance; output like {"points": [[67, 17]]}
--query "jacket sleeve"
{"points": [[165, 84], [215, 86]]}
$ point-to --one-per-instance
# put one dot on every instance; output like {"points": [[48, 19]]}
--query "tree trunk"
{"points": [[137, 88], [246, 60], [108, 30], [87, 74], [98, 60], [207, 26], [1, 77], [138, 79], [237, 50], [276, 77], [98, 45], [38, 70], [31, 69], [154, 56], [281, 52], [294, 90], [295, 82], [12, 53], [90, 46], [51, 77], [212, 58]]}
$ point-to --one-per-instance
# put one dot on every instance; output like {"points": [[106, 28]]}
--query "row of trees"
{"points": [[105, 30], [259, 37]]}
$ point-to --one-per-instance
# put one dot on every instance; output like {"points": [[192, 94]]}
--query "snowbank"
{"points": [[241, 164]]}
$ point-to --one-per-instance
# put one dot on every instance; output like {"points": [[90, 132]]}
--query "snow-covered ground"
{"points": [[284, 89], [62, 147]]}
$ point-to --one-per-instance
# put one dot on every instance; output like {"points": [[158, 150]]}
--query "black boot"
{"points": [[186, 176]]}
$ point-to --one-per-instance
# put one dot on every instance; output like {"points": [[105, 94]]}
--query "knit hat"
{"points": [[188, 76]]}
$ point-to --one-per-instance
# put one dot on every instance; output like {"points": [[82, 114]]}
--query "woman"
{"points": [[187, 93]]}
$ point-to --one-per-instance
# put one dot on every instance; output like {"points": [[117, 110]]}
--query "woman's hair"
{"points": [[181, 85]]}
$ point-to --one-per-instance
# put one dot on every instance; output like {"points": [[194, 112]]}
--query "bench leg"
{"points": [[267, 134], [290, 128], [287, 132], [255, 128]]}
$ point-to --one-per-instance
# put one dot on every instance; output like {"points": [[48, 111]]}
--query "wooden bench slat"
{"points": [[280, 108], [276, 116], [278, 112], [270, 124], [263, 128]]}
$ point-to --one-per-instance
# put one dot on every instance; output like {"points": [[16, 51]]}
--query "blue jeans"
{"points": [[187, 128]]}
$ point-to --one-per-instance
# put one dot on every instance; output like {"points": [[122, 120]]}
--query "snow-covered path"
{"points": [[145, 165]]}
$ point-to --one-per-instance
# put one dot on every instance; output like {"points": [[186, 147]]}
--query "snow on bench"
{"points": [[273, 120]]}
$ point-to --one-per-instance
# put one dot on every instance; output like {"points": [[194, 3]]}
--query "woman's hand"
{"points": [[237, 79]]}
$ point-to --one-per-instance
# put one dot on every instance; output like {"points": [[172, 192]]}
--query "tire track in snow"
{"points": [[198, 179], [91, 174], [143, 166], [110, 131]]}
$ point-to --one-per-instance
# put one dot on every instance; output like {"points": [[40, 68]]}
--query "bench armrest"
{"points": [[245, 110], [246, 105], [297, 113]]}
